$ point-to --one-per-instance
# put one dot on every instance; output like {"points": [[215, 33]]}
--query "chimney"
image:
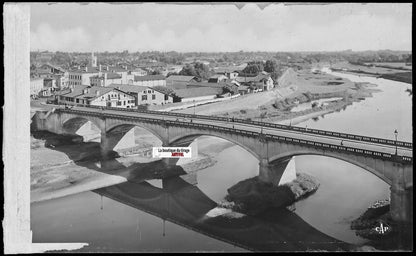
{"points": [[99, 68], [71, 89], [105, 76], [97, 93], [86, 69]]}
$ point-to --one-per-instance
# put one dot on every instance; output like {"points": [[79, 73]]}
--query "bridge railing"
{"points": [[359, 151], [348, 136]]}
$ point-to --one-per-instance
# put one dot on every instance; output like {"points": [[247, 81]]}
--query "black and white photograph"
{"points": [[167, 127]]}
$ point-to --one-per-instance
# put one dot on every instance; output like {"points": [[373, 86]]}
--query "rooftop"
{"points": [[257, 78], [133, 88], [180, 78], [197, 92], [90, 94], [149, 78]]}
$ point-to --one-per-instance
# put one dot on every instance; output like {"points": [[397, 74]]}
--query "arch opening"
{"points": [[132, 139], [220, 164], [82, 127], [351, 161], [346, 190]]}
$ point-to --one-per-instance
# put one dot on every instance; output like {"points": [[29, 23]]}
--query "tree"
{"points": [[270, 66], [188, 70], [156, 72], [253, 68], [230, 89], [171, 74], [198, 70]]}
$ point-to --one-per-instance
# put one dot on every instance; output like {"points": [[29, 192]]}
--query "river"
{"points": [[129, 221]]}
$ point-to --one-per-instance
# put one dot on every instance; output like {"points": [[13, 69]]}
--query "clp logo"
{"points": [[382, 228]]}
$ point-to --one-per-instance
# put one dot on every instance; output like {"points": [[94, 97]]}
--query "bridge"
{"points": [[269, 143]]}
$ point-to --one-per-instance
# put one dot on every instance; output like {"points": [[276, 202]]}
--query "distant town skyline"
{"points": [[101, 27]]}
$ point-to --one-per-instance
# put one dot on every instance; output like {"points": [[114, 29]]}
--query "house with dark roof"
{"points": [[262, 81], [230, 71], [96, 96], [145, 95], [179, 82], [217, 78]]}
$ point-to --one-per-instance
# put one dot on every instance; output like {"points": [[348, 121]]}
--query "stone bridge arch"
{"points": [[350, 160], [73, 124], [187, 139], [69, 117], [127, 125]]}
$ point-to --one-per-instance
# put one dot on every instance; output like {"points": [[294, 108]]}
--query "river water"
{"points": [[142, 217]]}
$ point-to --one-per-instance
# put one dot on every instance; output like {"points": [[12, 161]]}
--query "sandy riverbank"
{"points": [[300, 87]]}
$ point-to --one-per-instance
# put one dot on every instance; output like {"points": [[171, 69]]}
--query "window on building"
{"points": [[124, 102], [77, 100], [166, 97], [149, 91], [144, 97], [118, 103], [153, 97]]}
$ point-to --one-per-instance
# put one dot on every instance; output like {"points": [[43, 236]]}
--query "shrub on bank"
{"points": [[251, 196]]}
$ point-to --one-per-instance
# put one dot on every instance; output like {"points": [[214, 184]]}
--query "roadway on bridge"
{"points": [[272, 131]]}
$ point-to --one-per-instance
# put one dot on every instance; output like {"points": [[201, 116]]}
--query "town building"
{"points": [[137, 71], [145, 95], [261, 81], [96, 96], [179, 82], [149, 80], [217, 78], [244, 89], [171, 69], [230, 72], [105, 79], [51, 69], [36, 85], [81, 76]]}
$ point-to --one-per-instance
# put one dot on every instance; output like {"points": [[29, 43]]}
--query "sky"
{"points": [[220, 27]]}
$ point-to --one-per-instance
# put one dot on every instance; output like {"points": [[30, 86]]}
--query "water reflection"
{"points": [[186, 205]]}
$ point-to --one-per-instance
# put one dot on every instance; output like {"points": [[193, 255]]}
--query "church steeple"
{"points": [[93, 60]]}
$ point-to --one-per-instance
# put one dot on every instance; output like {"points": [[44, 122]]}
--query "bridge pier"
{"points": [[267, 173], [401, 203], [278, 173]]}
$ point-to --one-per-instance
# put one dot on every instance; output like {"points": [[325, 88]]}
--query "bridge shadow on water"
{"points": [[186, 205], [88, 155]]}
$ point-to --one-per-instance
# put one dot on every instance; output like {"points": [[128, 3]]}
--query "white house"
{"points": [[145, 94], [36, 85], [97, 96]]}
